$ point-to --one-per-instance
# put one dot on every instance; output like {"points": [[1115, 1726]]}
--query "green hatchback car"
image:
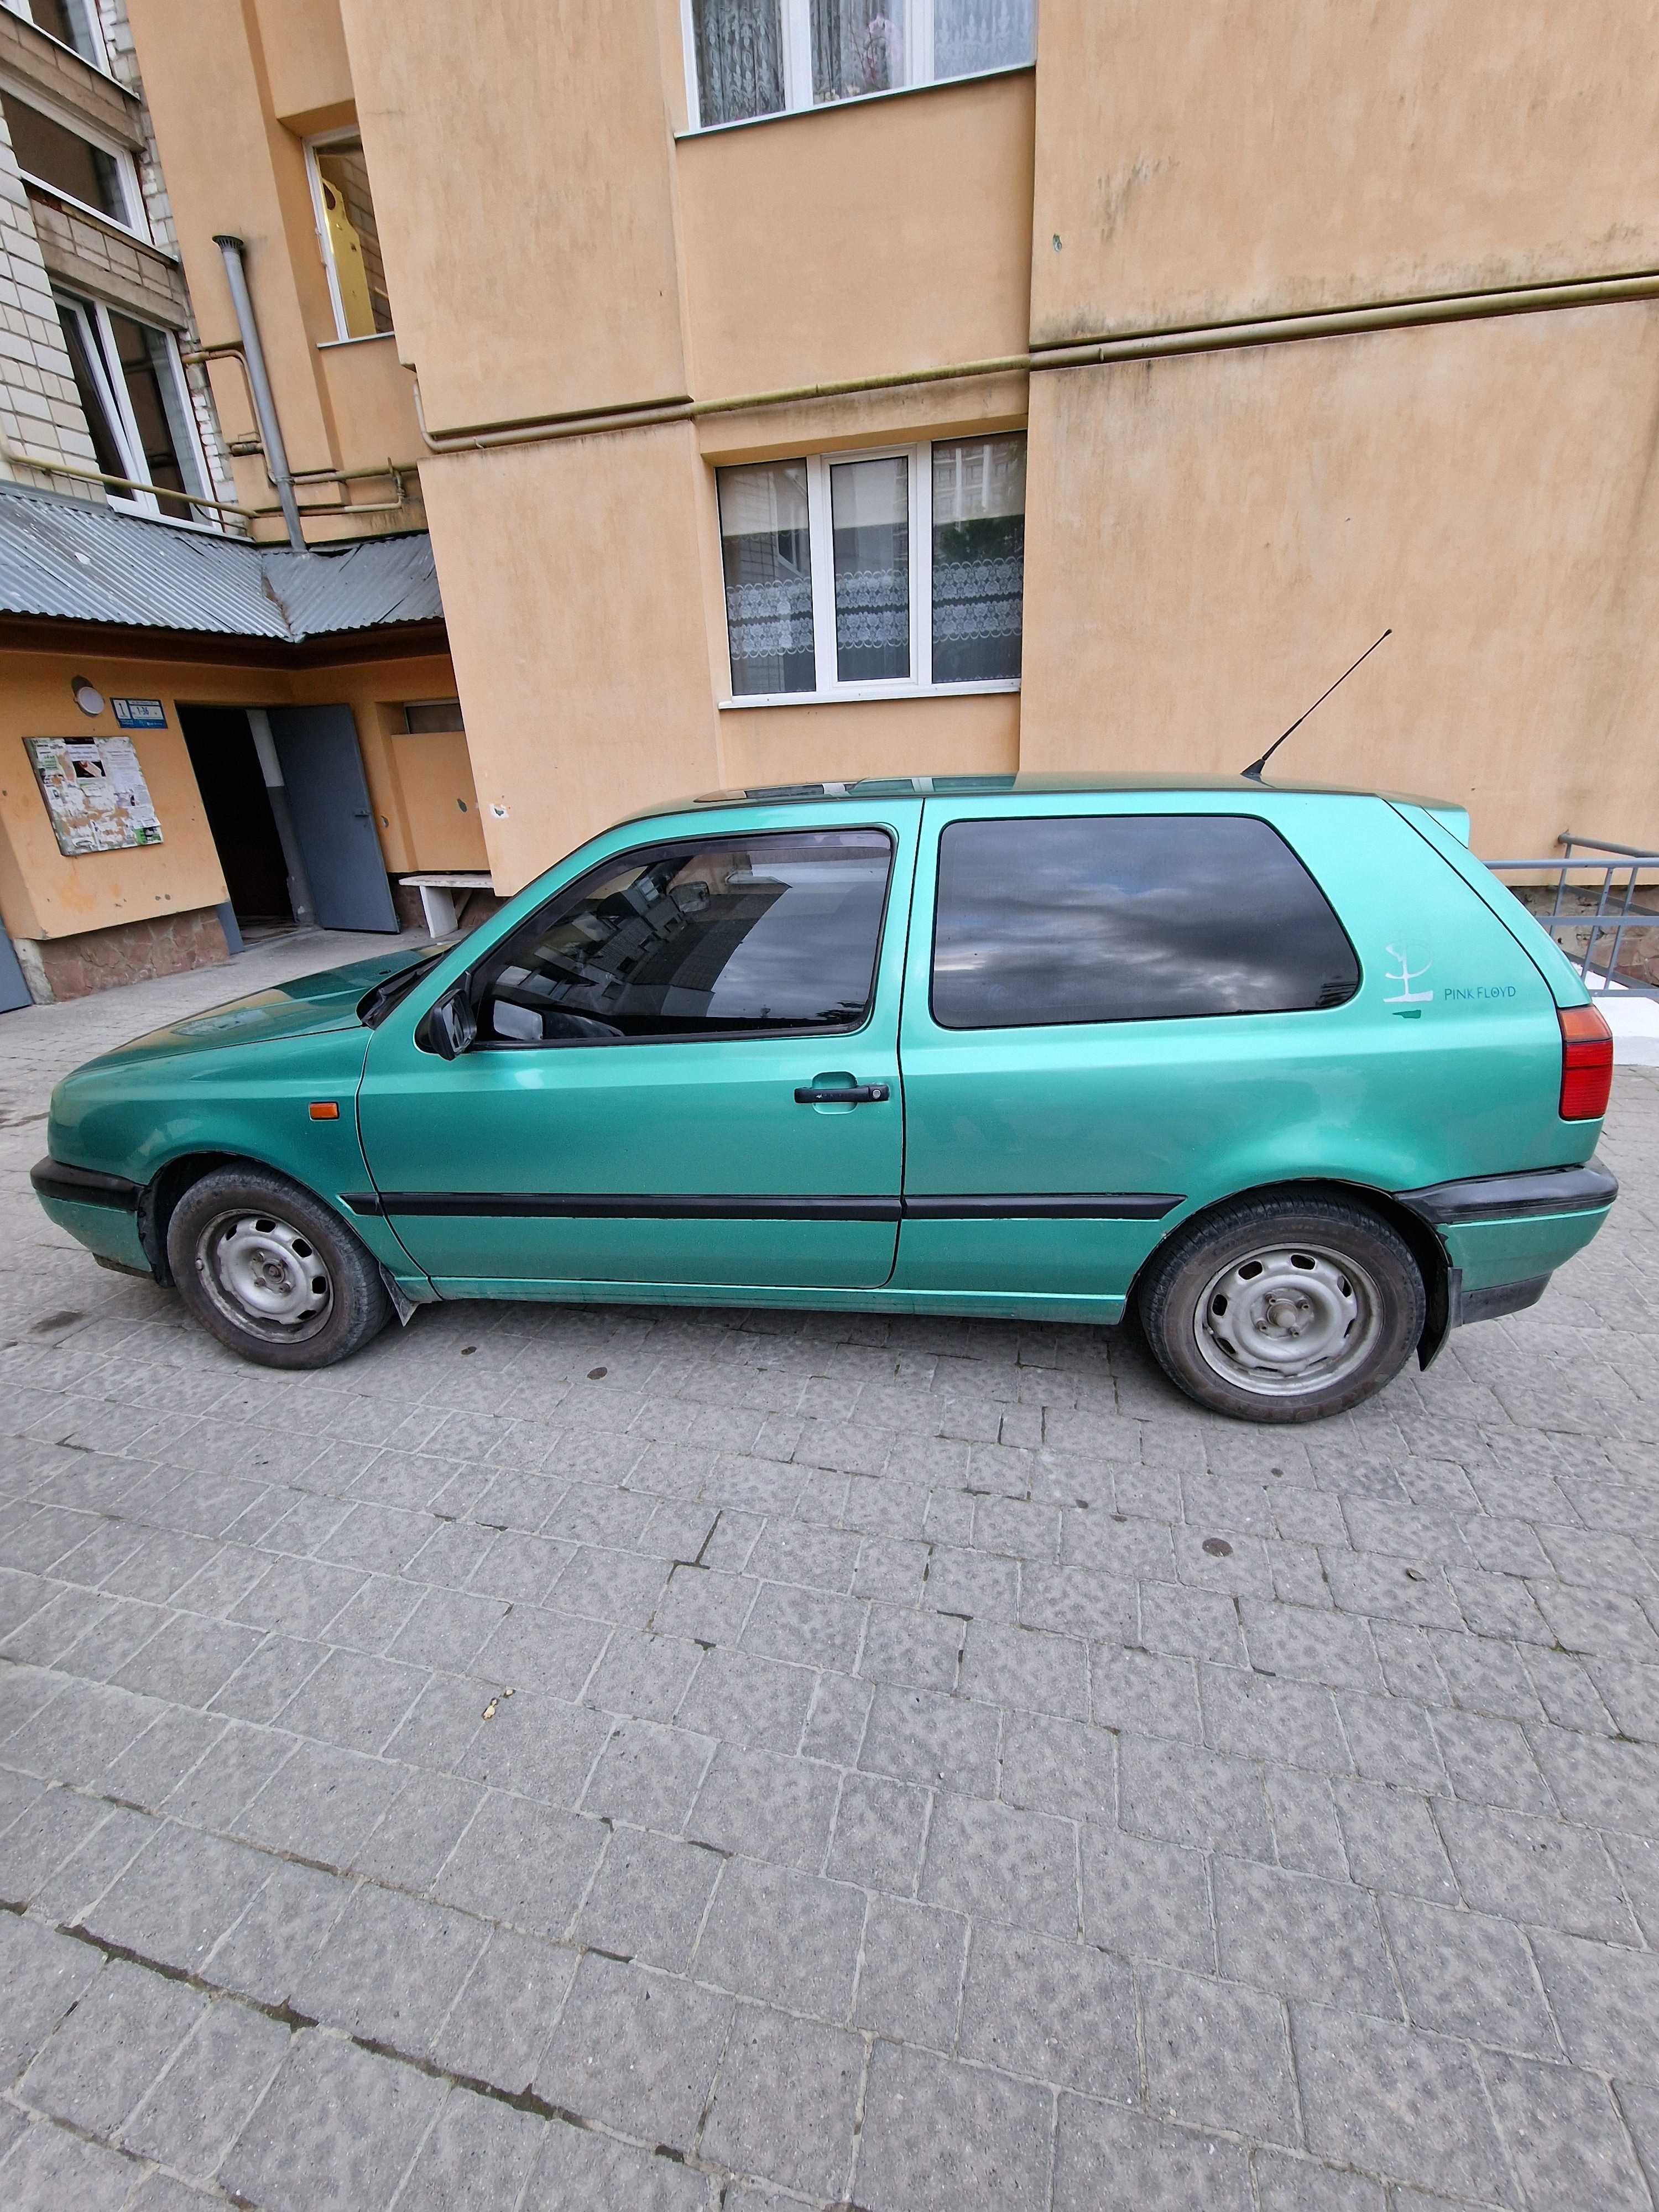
{"points": [[1285, 1066]]}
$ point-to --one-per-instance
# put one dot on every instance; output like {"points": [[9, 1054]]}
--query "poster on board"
{"points": [[95, 794]]}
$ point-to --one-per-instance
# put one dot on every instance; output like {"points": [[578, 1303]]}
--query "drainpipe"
{"points": [[299, 883], [265, 406]]}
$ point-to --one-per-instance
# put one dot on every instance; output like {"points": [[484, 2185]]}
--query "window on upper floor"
{"points": [[73, 23], [749, 57], [133, 393], [859, 574], [350, 236], [96, 177]]}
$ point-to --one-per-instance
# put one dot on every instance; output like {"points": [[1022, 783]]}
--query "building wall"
{"points": [[40, 409], [45, 894], [1204, 164], [1485, 487], [1209, 539]]}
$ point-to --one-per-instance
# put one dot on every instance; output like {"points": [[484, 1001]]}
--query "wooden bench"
{"points": [[438, 897]]}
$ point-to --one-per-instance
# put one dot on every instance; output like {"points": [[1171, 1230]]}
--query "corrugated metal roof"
{"points": [[75, 560]]}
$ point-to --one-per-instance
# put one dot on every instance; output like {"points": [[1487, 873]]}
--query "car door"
{"points": [[1118, 1007], [686, 1071]]}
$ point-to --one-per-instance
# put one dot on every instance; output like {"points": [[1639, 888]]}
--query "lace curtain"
{"points": [[979, 558], [767, 555], [739, 47], [971, 35]]}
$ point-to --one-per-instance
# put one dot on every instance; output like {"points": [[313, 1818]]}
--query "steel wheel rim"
{"points": [[1286, 1320], [265, 1275]]}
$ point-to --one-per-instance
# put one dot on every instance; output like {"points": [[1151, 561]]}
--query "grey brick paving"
{"points": [[896, 1804]]}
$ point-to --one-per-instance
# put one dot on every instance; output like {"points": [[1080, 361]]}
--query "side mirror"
{"points": [[450, 1026]]}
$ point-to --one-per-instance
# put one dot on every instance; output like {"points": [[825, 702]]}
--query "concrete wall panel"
{"points": [[524, 187], [1210, 541], [860, 239], [1203, 164], [577, 622]]}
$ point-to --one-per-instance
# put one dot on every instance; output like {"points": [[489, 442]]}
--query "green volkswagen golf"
{"points": [[1283, 1066]]}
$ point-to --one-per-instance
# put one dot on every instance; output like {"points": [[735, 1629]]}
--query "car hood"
{"points": [[327, 1000]]}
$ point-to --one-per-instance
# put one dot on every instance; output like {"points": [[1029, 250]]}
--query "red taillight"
{"points": [[1586, 1063]]}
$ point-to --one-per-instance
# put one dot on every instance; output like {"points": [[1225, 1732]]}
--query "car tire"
{"points": [[1282, 1308], [273, 1272]]}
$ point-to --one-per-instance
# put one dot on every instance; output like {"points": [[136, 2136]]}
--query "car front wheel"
{"points": [[271, 1272], [1283, 1309]]}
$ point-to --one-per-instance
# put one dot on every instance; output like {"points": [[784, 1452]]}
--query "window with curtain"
{"points": [[979, 557], [766, 554], [750, 57], [850, 573], [738, 46]]}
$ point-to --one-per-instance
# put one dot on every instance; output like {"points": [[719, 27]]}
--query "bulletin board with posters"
{"points": [[95, 794]]}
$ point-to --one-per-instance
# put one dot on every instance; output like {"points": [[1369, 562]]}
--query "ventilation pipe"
{"points": [[264, 407]]}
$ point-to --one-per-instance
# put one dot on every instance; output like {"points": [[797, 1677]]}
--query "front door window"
{"points": [[773, 934]]}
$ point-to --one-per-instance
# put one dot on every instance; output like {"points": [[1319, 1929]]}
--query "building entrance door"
{"points": [[14, 990], [328, 799], [239, 811]]}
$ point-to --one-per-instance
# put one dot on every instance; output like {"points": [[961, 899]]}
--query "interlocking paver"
{"points": [[896, 1804]]}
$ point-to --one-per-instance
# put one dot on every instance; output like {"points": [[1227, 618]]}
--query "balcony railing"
{"points": [[1604, 923]]}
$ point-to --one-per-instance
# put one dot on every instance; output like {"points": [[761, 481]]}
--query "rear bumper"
{"points": [[1503, 1236], [1534, 1194]]}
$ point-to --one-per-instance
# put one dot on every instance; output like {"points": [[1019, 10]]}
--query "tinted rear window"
{"points": [[1125, 918]]}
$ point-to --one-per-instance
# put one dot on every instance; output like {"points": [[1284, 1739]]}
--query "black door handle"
{"points": [[841, 1094]]}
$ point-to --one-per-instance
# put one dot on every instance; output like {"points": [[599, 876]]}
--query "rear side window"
{"points": [[719, 937], [1129, 918]]}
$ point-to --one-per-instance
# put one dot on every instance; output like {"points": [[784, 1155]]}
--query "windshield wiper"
{"points": [[377, 1004]]}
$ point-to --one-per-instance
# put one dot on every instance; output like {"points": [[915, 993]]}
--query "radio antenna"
{"points": [[1254, 771]]}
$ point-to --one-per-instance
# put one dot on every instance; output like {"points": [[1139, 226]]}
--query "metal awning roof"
{"points": [[72, 560]]}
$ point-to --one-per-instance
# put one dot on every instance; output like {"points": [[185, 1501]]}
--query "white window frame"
{"points": [[97, 342], [320, 144], [797, 27], [919, 683], [135, 223], [88, 13]]}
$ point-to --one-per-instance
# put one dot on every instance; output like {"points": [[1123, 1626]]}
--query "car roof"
{"points": [[965, 786]]}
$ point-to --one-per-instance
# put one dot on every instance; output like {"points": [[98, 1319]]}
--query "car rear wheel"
{"points": [[1283, 1309], [271, 1272]]}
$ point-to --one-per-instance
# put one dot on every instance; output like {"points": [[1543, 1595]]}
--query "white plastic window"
{"points": [[751, 57], [875, 574], [133, 391], [350, 235]]}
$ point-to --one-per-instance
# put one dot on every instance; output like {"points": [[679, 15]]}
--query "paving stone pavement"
{"points": [[624, 1759]]}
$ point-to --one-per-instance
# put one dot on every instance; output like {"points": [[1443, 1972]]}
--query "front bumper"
{"points": [[99, 1211]]}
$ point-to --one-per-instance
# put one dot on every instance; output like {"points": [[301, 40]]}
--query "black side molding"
{"points": [[1045, 1205], [83, 1186], [626, 1206], [621, 1205], [1513, 1197]]}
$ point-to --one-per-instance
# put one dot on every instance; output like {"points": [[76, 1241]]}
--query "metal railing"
{"points": [[1603, 927]]}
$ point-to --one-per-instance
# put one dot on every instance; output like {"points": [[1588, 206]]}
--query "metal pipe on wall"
{"points": [[265, 406], [1142, 345]]}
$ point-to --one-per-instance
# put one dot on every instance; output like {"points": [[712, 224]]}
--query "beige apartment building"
{"points": [[758, 391]]}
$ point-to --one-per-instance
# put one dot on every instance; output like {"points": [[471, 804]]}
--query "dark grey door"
{"points": [[14, 990], [333, 820]]}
